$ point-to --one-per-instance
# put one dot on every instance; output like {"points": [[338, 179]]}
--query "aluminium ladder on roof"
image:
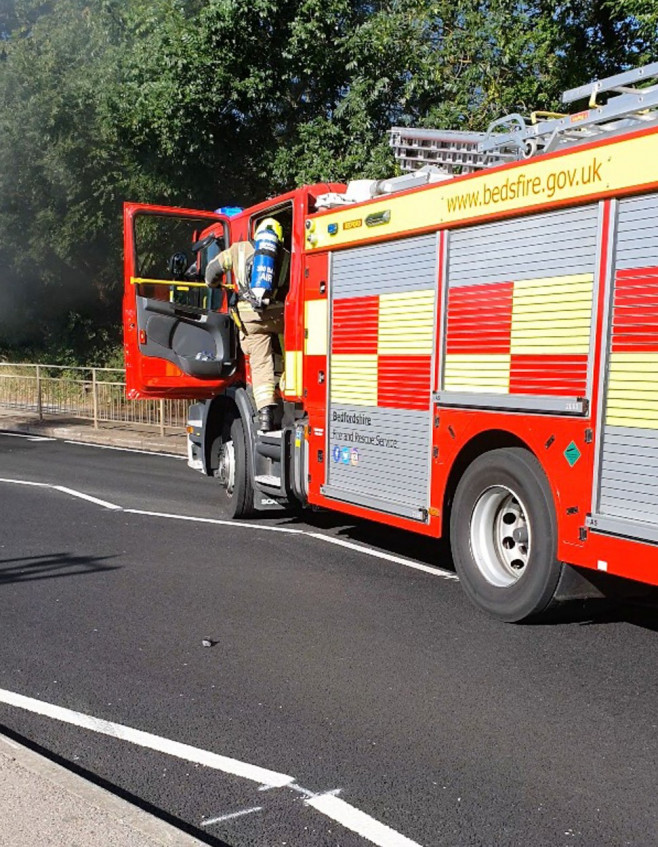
{"points": [[512, 137], [628, 108]]}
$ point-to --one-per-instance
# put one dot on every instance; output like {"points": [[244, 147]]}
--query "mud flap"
{"points": [[585, 584]]}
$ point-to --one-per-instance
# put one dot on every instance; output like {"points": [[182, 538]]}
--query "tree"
{"points": [[207, 102]]}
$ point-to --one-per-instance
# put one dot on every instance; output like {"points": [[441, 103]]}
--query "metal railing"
{"points": [[95, 394]]}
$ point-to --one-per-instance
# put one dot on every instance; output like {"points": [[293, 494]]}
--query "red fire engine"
{"points": [[475, 356]]}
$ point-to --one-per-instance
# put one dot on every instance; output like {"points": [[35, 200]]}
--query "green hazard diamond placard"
{"points": [[572, 454]]}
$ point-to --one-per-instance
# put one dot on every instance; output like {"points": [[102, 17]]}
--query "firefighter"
{"points": [[258, 316]]}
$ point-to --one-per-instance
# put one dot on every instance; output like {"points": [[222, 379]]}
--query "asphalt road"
{"points": [[358, 677]]}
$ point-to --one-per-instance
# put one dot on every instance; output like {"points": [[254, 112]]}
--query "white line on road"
{"points": [[217, 522], [327, 803], [378, 554], [231, 816], [87, 497], [146, 739], [27, 435], [27, 482], [123, 449], [319, 536], [329, 539], [351, 818]]}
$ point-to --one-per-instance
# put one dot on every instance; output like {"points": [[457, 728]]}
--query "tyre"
{"points": [[234, 474], [503, 535]]}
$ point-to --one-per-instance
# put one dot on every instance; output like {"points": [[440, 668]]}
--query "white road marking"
{"points": [[87, 497], [329, 539], [27, 435], [124, 449], [231, 815], [361, 823], [389, 557], [27, 482], [326, 803], [319, 536], [146, 739], [217, 522]]}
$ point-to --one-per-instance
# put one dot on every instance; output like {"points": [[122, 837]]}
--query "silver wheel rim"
{"points": [[226, 469], [501, 536]]}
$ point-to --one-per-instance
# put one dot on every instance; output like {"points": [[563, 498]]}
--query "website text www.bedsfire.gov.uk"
{"points": [[521, 186]]}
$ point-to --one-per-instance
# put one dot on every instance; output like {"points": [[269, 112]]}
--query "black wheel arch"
{"points": [[483, 442], [219, 414]]}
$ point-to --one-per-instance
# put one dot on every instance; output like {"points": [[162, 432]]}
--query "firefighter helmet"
{"points": [[272, 225]]}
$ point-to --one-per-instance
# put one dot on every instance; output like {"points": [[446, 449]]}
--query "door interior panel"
{"points": [[202, 345]]}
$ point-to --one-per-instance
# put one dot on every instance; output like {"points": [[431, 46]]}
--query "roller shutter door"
{"points": [[383, 305], [520, 296]]}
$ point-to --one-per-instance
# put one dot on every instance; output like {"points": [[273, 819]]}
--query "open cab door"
{"points": [[179, 338]]}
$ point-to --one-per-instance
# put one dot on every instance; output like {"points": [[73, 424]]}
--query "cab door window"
{"points": [[166, 268]]}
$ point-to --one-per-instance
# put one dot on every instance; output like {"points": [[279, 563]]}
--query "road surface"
{"points": [[348, 693]]}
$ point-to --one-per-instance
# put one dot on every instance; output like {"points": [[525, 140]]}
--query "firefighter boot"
{"points": [[266, 418]]}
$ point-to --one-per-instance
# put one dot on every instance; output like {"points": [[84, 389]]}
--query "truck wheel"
{"points": [[233, 473], [503, 535]]}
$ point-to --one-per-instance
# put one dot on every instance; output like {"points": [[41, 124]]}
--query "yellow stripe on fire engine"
{"points": [[632, 398], [315, 327], [531, 184], [488, 373], [293, 383], [553, 315], [406, 323], [354, 379]]}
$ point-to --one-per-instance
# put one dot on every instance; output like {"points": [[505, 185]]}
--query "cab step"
{"points": [[269, 480]]}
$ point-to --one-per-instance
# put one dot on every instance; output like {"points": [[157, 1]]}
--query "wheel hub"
{"points": [[500, 536], [226, 469]]}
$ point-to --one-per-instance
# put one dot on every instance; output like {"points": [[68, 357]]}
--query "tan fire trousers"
{"points": [[256, 337]]}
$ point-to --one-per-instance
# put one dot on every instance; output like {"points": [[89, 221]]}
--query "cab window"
{"points": [[158, 238]]}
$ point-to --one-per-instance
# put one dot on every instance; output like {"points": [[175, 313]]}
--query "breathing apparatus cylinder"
{"points": [[268, 238]]}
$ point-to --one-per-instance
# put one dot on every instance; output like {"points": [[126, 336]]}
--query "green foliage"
{"points": [[206, 102]]}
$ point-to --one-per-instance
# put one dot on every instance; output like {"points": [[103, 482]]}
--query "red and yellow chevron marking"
{"points": [[381, 350], [521, 337], [632, 398]]}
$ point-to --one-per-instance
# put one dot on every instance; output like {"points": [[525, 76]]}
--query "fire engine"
{"points": [[470, 348]]}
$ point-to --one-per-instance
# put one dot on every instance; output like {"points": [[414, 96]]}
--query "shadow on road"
{"points": [[400, 542], [51, 566], [643, 614]]}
